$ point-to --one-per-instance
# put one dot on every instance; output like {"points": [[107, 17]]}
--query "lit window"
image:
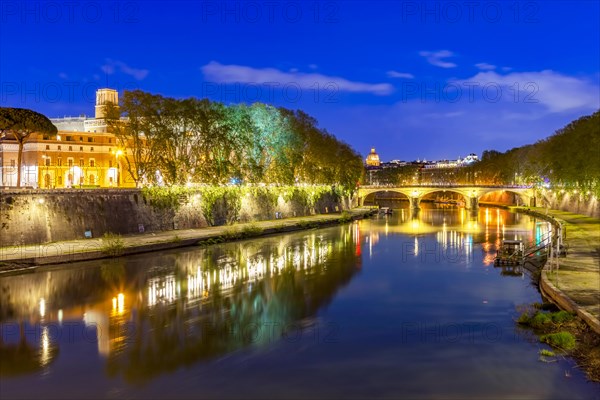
{"points": [[92, 162], [59, 162], [47, 161], [47, 147], [81, 163]]}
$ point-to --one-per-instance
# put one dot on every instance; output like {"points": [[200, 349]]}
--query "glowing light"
{"points": [[45, 342], [120, 303], [41, 201], [42, 308]]}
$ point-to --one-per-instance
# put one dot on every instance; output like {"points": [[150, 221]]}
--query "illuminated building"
{"points": [[373, 159], [83, 154]]}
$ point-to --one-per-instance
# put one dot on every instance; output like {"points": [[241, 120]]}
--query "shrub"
{"points": [[251, 229], [112, 244], [540, 320], [345, 217], [231, 233], [524, 318], [547, 353], [561, 340], [562, 317]]}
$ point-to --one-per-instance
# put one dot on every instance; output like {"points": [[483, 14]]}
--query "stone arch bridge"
{"points": [[470, 193]]}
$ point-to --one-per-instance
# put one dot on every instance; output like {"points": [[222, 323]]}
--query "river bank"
{"points": [[573, 284], [19, 259]]}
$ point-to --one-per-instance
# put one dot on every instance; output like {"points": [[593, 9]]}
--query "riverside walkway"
{"points": [[575, 284], [16, 259]]}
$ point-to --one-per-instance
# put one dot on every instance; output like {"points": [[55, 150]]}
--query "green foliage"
{"points": [[524, 318], [308, 224], [561, 340], [229, 195], [540, 320], [165, 197], [112, 244], [547, 353], [568, 159], [562, 317], [231, 233], [251, 230], [207, 142], [345, 217]]}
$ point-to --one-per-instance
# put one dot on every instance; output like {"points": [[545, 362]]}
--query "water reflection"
{"points": [[457, 230], [150, 314], [249, 313]]}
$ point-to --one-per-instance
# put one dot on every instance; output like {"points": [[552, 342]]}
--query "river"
{"points": [[394, 306]]}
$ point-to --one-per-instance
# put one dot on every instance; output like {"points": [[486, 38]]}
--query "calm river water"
{"points": [[390, 307]]}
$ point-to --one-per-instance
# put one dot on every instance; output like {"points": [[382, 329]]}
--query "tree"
{"points": [[21, 123]]}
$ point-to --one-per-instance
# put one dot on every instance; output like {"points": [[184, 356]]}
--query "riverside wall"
{"points": [[43, 216], [578, 204]]}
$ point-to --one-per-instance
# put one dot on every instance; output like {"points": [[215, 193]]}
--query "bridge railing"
{"points": [[447, 186]]}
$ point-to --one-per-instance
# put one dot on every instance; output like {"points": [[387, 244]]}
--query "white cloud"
{"points": [[220, 73], [555, 91], [435, 58], [396, 74], [111, 67], [485, 66]]}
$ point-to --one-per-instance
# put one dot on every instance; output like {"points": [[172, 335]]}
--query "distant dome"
{"points": [[373, 158]]}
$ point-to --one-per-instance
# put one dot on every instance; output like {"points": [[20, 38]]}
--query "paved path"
{"points": [[24, 257], [578, 275]]}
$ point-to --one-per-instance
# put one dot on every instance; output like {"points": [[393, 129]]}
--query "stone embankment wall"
{"points": [[43, 216], [575, 203]]}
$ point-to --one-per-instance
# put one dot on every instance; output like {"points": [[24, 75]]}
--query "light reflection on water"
{"points": [[331, 304]]}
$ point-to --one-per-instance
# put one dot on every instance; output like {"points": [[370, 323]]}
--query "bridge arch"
{"points": [[442, 194], [505, 196], [391, 195]]}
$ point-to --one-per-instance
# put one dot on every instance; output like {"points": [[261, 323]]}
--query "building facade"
{"points": [[82, 154]]}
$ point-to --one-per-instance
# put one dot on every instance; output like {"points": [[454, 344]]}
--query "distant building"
{"points": [[82, 154], [460, 162], [373, 159]]}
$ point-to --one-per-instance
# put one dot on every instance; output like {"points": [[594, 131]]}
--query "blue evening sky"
{"points": [[433, 80]]}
